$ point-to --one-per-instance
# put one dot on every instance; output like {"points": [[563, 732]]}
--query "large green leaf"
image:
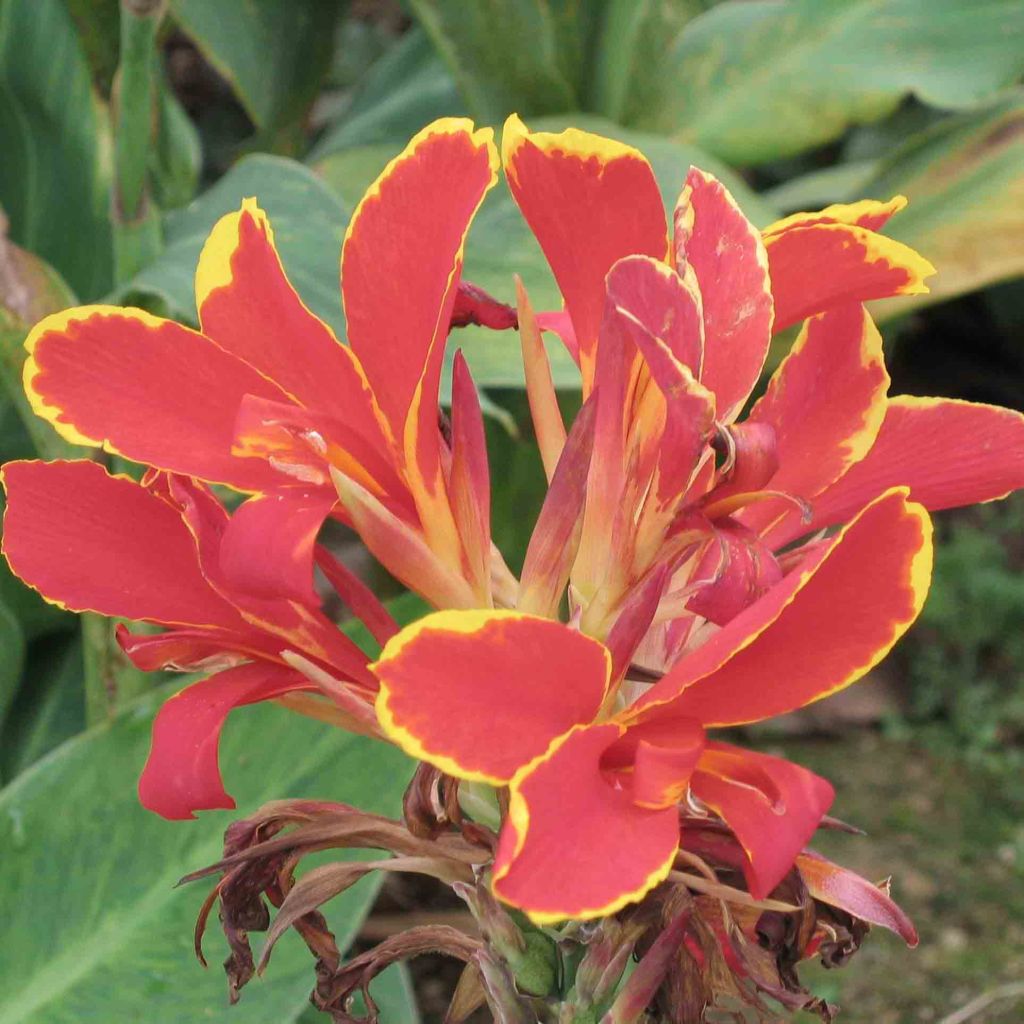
{"points": [[12, 657], [274, 53], [55, 164], [91, 925], [406, 88], [525, 55], [760, 79], [965, 181], [308, 222]]}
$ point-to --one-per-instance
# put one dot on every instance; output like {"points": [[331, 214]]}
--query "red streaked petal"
{"points": [[190, 649], [249, 308], [817, 267], [475, 306], [866, 213], [89, 541], [772, 833], [727, 255], [948, 452], [826, 403], [839, 887], [556, 535], [662, 760], [818, 630], [357, 596], [145, 388], [481, 693], [540, 389], [182, 774], [267, 548], [402, 254], [573, 846], [469, 481], [559, 322], [589, 201]]}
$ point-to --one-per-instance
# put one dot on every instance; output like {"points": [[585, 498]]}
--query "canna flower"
{"points": [[156, 552], [682, 514], [266, 400], [597, 767]]}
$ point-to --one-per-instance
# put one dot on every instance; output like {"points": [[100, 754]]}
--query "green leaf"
{"points": [[965, 181], [91, 925], [525, 55], [49, 707], [763, 79], [406, 88], [55, 170], [309, 224], [12, 661], [176, 157], [275, 53], [634, 35]]}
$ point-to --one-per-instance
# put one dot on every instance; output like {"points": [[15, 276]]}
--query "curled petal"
{"points": [[481, 693], [89, 541], [818, 266], [573, 845], [182, 774], [267, 548], [866, 213], [145, 388], [590, 201], [842, 888], [818, 630], [771, 831]]}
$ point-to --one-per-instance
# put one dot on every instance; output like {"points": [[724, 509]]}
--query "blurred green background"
{"points": [[127, 129]]}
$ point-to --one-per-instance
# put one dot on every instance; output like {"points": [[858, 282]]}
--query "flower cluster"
{"points": [[690, 570]]}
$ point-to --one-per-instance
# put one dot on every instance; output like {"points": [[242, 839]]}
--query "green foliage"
{"points": [[75, 838], [965, 658]]}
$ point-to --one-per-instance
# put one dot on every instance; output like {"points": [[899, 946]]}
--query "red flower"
{"points": [[266, 400], [157, 552]]}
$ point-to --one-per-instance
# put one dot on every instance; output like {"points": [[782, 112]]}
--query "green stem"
{"points": [[137, 237]]}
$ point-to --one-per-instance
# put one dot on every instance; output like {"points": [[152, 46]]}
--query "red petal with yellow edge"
{"points": [[92, 542], [829, 621], [727, 255], [402, 252], [481, 693], [182, 774], [574, 845], [948, 452], [866, 213], [145, 388], [267, 548], [839, 887], [823, 265], [589, 201], [771, 832], [826, 403], [249, 308]]}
